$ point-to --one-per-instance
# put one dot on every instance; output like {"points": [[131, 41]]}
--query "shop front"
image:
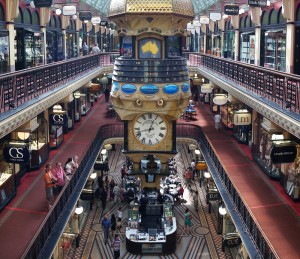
{"points": [[268, 138], [4, 50], [242, 129], [247, 40], [35, 134], [206, 93], [58, 120], [71, 40], [229, 41]]}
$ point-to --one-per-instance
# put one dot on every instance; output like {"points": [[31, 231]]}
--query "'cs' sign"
{"points": [[58, 119], [17, 154]]}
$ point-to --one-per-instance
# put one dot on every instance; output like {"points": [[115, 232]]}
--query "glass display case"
{"points": [[33, 48], [247, 47], [275, 52], [56, 136], [133, 217]]}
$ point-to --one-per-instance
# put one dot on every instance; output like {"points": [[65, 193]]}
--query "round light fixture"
{"points": [[77, 94], [58, 12], [79, 210], [85, 21], [57, 108], [197, 152], [23, 135], [74, 16], [207, 175], [103, 151], [222, 210], [93, 175]]}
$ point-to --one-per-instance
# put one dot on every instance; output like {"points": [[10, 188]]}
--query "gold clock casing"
{"points": [[150, 129]]}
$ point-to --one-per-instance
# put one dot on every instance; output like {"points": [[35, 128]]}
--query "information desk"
{"points": [[137, 243]]}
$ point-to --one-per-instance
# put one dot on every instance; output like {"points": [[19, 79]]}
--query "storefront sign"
{"points": [[103, 23], [85, 16], [232, 242], [213, 196], [206, 89], [16, 153], [220, 99], [257, 3], [231, 9], [69, 10], [42, 3], [241, 119], [215, 16], [204, 20], [58, 119], [96, 20], [283, 153]]}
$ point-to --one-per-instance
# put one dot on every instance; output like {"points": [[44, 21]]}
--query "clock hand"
{"points": [[151, 126]]}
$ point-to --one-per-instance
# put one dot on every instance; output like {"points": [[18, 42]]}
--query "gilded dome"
{"points": [[177, 7]]}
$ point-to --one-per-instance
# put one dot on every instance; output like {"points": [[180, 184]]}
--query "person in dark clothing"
{"points": [[106, 226], [107, 93], [100, 182], [113, 223], [103, 198], [130, 195]]}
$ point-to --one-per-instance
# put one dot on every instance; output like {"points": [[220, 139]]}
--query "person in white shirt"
{"points": [[217, 121], [116, 191], [95, 49]]}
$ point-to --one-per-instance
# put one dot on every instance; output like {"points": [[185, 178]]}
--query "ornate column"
{"points": [[235, 21], [255, 17], [12, 11], [288, 12], [65, 21], [44, 19], [78, 28]]}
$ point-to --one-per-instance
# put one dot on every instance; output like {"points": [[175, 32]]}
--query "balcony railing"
{"points": [[19, 87], [44, 241], [281, 88]]}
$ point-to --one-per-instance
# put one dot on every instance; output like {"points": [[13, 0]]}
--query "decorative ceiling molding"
{"points": [[289, 124]]}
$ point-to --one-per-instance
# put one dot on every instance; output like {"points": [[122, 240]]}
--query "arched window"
{"points": [[19, 18], [2, 13], [58, 22], [248, 22], [35, 18], [242, 22], [273, 16], [265, 18], [27, 16], [52, 22], [281, 19]]}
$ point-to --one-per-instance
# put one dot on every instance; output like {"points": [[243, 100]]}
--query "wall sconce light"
{"points": [[79, 210], [103, 151], [23, 135], [225, 16], [203, 80], [57, 108], [77, 94], [197, 152], [85, 21], [32, 5], [207, 175], [58, 12], [222, 210], [93, 176], [74, 16]]}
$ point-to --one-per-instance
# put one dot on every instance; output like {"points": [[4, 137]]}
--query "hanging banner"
{"points": [[215, 16], [42, 3], [58, 119], [69, 10], [96, 20], [213, 196], [257, 3], [241, 118], [204, 20], [103, 23], [16, 153], [220, 99], [231, 9], [232, 242], [85, 16], [206, 89], [283, 152]]}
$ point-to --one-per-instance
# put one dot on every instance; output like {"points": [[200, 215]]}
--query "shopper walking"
{"points": [[113, 224], [95, 49], [188, 221], [106, 227], [50, 181], [106, 93], [103, 198], [196, 200], [120, 215], [85, 49], [116, 192], [217, 121], [116, 245]]}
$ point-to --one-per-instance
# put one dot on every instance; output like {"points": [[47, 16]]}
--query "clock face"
{"points": [[150, 129]]}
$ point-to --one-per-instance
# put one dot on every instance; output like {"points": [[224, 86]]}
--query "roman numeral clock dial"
{"points": [[150, 129]]}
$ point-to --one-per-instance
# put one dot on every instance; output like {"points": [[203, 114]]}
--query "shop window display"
{"points": [[247, 47], [4, 51]]}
